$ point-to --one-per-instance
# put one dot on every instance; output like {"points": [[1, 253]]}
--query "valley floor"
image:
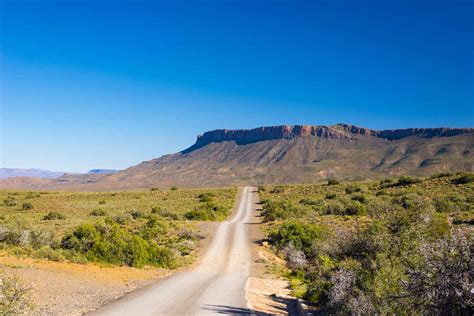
{"points": [[61, 288], [232, 260]]}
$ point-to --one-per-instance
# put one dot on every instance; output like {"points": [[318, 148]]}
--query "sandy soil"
{"points": [[62, 288], [265, 293]]}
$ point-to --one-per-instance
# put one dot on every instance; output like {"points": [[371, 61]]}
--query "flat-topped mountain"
{"points": [[243, 136], [298, 153]]}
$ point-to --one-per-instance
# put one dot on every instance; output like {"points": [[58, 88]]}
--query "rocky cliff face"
{"points": [[285, 154], [335, 131]]}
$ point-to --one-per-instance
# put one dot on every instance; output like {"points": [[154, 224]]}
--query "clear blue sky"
{"points": [[108, 84]]}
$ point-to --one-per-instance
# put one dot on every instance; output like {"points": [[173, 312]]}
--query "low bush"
{"points": [[110, 243], [310, 202], [155, 229], [15, 296], [32, 195], [136, 214], [278, 189], [98, 212], [406, 251], [9, 201], [205, 197], [280, 210], [122, 219], [164, 213], [441, 175], [352, 189], [333, 181], [46, 252], [51, 216], [333, 208], [406, 180], [464, 179], [26, 206], [360, 198], [303, 236], [207, 212], [355, 208]]}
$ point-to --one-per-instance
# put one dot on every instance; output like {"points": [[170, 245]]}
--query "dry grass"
{"points": [[77, 206]]}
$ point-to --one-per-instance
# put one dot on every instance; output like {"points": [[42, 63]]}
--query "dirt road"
{"points": [[215, 286]]}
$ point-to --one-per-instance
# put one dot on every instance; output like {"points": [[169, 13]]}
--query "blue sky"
{"points": [[108, 84]]}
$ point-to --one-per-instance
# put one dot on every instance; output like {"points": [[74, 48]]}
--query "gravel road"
{"points": [[215, 286]]}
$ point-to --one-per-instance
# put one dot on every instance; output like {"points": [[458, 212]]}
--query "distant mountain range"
{"points": [[102, 171], [6, 173], [285, 154], [35, 173]]}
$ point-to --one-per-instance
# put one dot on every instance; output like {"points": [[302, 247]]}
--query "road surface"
{"points": [[215, 286]]}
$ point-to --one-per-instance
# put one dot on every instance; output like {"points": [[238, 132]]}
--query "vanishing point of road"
{"points": [[215, 286]]}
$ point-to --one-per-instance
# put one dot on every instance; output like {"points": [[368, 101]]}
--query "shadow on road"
{"points": [[229, 310], [289, 307]]}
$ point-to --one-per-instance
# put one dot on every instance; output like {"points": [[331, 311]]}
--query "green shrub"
{"points": [[352, 189], [207, 212], [15, 296], [360, 198], [164, 213], [46, 252], [333, 208], [26, 206], [173, 188], [278, 189], [310, 202], [441, 175], [98, 212], [355, 208], [406, 180], [303, 236], [51, 216], [205, 197], [155, 229], [136, 214], [198, 215], [279, 210], [122, 219], [111, 243], [32, 195], [331, 196], [384, 183], [445, 205], [464, 179], [9, 201]]}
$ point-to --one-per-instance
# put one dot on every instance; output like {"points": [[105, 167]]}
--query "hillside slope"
{"points": [[297, 154]]}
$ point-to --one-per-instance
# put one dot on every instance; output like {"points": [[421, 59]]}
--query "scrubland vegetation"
{"points": [[395, 246], [134, 228]]}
